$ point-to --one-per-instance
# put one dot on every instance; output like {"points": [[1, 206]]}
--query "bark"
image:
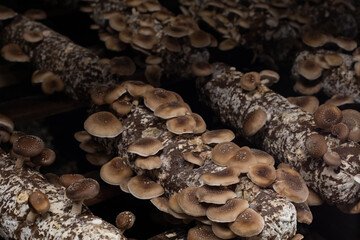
{"points": [[284, 134], [15, 187]]}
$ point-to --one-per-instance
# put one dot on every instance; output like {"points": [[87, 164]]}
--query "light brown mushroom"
{"points": [[176, 31], [194, 158], [98, 158], [225, 177], [313, 199], [121, 107], [145, 40], [33, 36], [116, 171], [161, 203], [52, 84], [103, 124], [181, 125], [227, 212], [170, 110], [67, 179], [262, 156], [125, 220], [201, 232], [223, 152], [253, 122], [214, 195], [351, 118], [314, 38], [333, 59], [200, 39], [217, 136], [13, 53], [249, 81], [339, 100], [27, 146], [122, 66], [222, 230], [114, 44], [345, 43], [189, 203], [309, 69], [7, 123], [113, 93], [242, 160], [269, 77], [262, 174], [227, 44], [143, 187], [303, 213], [316, 145], [306, 87], [146, 146], [326, 116], [117, 22], [332, 159], [202, 69], [249, 223], [200, 125], [158, 96], [137, 88], [6, 13], [39, 204], [148, 163]]}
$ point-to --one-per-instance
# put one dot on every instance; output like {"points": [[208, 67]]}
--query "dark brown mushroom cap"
{"points": [[202, 69], [45, 158], [4, 136], [214, 195], [201, 232], [309, 69], [223, 152], [6, 123], [123, 66], [227, 44], [291, 185], [98, 158], [189, 203], [316, 145], [6, 13], [115, 171], [227, 212], [176, 31], [143, 187], [200, 39], [28, 146], [332, 159], [217, 136], [82, 136], [315, 38], [103, 124], [144, 40], [222, 230], [249, 223], [341, 131], [146, 146], [181, 124], [352, 119], [67, 179], [253, 122], [113, 43], [171, 109], [125, 220], [52, 84], [39, 202], [13, 53], [249, 81], [225, 177], [33, 36], [35, 14], [158, 96], [326, 116], [269, 77], [262, 174], [83, 189], [307, 103], [242, 160]]}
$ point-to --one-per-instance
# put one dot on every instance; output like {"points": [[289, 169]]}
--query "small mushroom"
{"points": [[200, 125], [52, 84], [249, 81], [306, 103], [326, 116], [242, 160], [351, 118], [227, 212], [143, 187], [333, 59], [262, 156], [201, 232], [115, 171], [332, 159], [222, 230], [122, 66], [176, 31], [45, 158], [170, 110], [253, 122], [146, 146], [227, 44], [200, 39], [309, 69], [13, 53], [98, 93], [148, 163], [262, 174], [81, 190], [316, 145], [98, 158], [341, 131], [27, 146], [306, 87], [171, 44], [249, 223], [39, 205], [82, 136], [6, 13], [137, 88], [217, 136], [125, 220], [67, 179], [158, 96], [113, 93], [225, 177], [214, 195], [189, 203], [6, 123], [314, 38], [33, 36], [194, 158], [269, 77], [339, 100], [202, 69], [223, 152], [303, 213], [114, 44], [117, 22], [181, 125], [103, 124]]}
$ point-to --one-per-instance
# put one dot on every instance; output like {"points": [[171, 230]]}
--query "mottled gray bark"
{"points": [[284, 134]]}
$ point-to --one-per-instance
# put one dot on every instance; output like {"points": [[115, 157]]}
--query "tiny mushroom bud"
{"points": [[125, 220], [13, 53], [217, 136], [39, 204], [316, 145], [67, 179], [249, 223], [81, 190], [253, 122], [143, 187], [146, 146], [103, 124], [27, 146], [249, 81], [227, 212], [326, 116], [115, 171]]}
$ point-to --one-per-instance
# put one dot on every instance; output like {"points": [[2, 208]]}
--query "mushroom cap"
{"points": [[326, 116], [125, 220], [13, 53], [262, 174], [137, 88], [309, 69], [200, 126], [98, 158], [201, 232], [249, 81], [171, 109], [122, 66], [39, 202], [91, 146], [333, 59], [307, 87], [113, 43], [121, 107], [249, 223], [307, 103], [345, 43], [171, 44], [194, 158], [6, 13], [189, 203], [291, 185], [332, 159], [35, 14], [339, 100], [174, 205], [145, 41], [341, 131], [83, 189], [153, 59], [315, 38], [262, 156], [225, 177], [253, 122], [7, 123], [351, 118], [217, 136], [202, 69], [269, 77], [38, 76], [115, 171], [67, 179], [242, 160], [97, 94], [148, 163], [117, 22], [146, 146], [303, 213], [227, 44], [223, 152], [158, 96], [181, 124], [222, 230], [153, 74], [313, 199], [52, 84], [214, 195], [113, 93], [28, 146], [45, 158], [200, 39], [143, 187], [176, 31], [33, 36], [126, 36], [316, 145], [103, 124], [161, 203], [82, 136], [227, 212]]}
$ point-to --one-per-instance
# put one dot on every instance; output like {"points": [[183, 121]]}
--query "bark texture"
{"points": [[284, 134], [15, 187]]}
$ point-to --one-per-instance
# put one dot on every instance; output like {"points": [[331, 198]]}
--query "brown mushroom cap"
{"points": [[158, 96], [223, 152], [6, 13], [121, 107], [307, 103], [253, 122], [161, 203], [249, 81], [33, 36], [352, 119], [143, 187], [326, 116], [262, 174], [174, 205], [6, 123], [303, 213], [171, 109], [291, 185], [38, 76], [201, 232], [52, 84], [313, 199], [28, 146], [152, 59], [122, 66], [117, 22], [200, 126], [262, 156], [333, 59], [125, 220], [269, 77], [332, 159], [176, 31], [345, 43], [341, 131], [82, 189], [146, 146], [306, 87], [227, 44], [114, 44], [39, 202], [214, 195], [314, 38], [137, 88], [35, 14], [217, 136], [67, 179], [148, 163], [189, 203], [225, 177], [316, 145], [200, 39], [103, 124], [171, 44], [98, 158], [194, 158], [339, 100], [45, 158], [98, 93], [145, 39], [181, 125], [249, 223], [222, 230], [115, 171], [13, 53], [309, 69], [113, 93], [227, 212], [82, 136], [202, 69]]}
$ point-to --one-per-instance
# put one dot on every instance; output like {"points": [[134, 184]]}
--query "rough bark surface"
{"points": [[284, 134], [15, 187]]}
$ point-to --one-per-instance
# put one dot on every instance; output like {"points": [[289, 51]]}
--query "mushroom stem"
{"points": [[30, 218], [19, 162], [77, 207]]}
